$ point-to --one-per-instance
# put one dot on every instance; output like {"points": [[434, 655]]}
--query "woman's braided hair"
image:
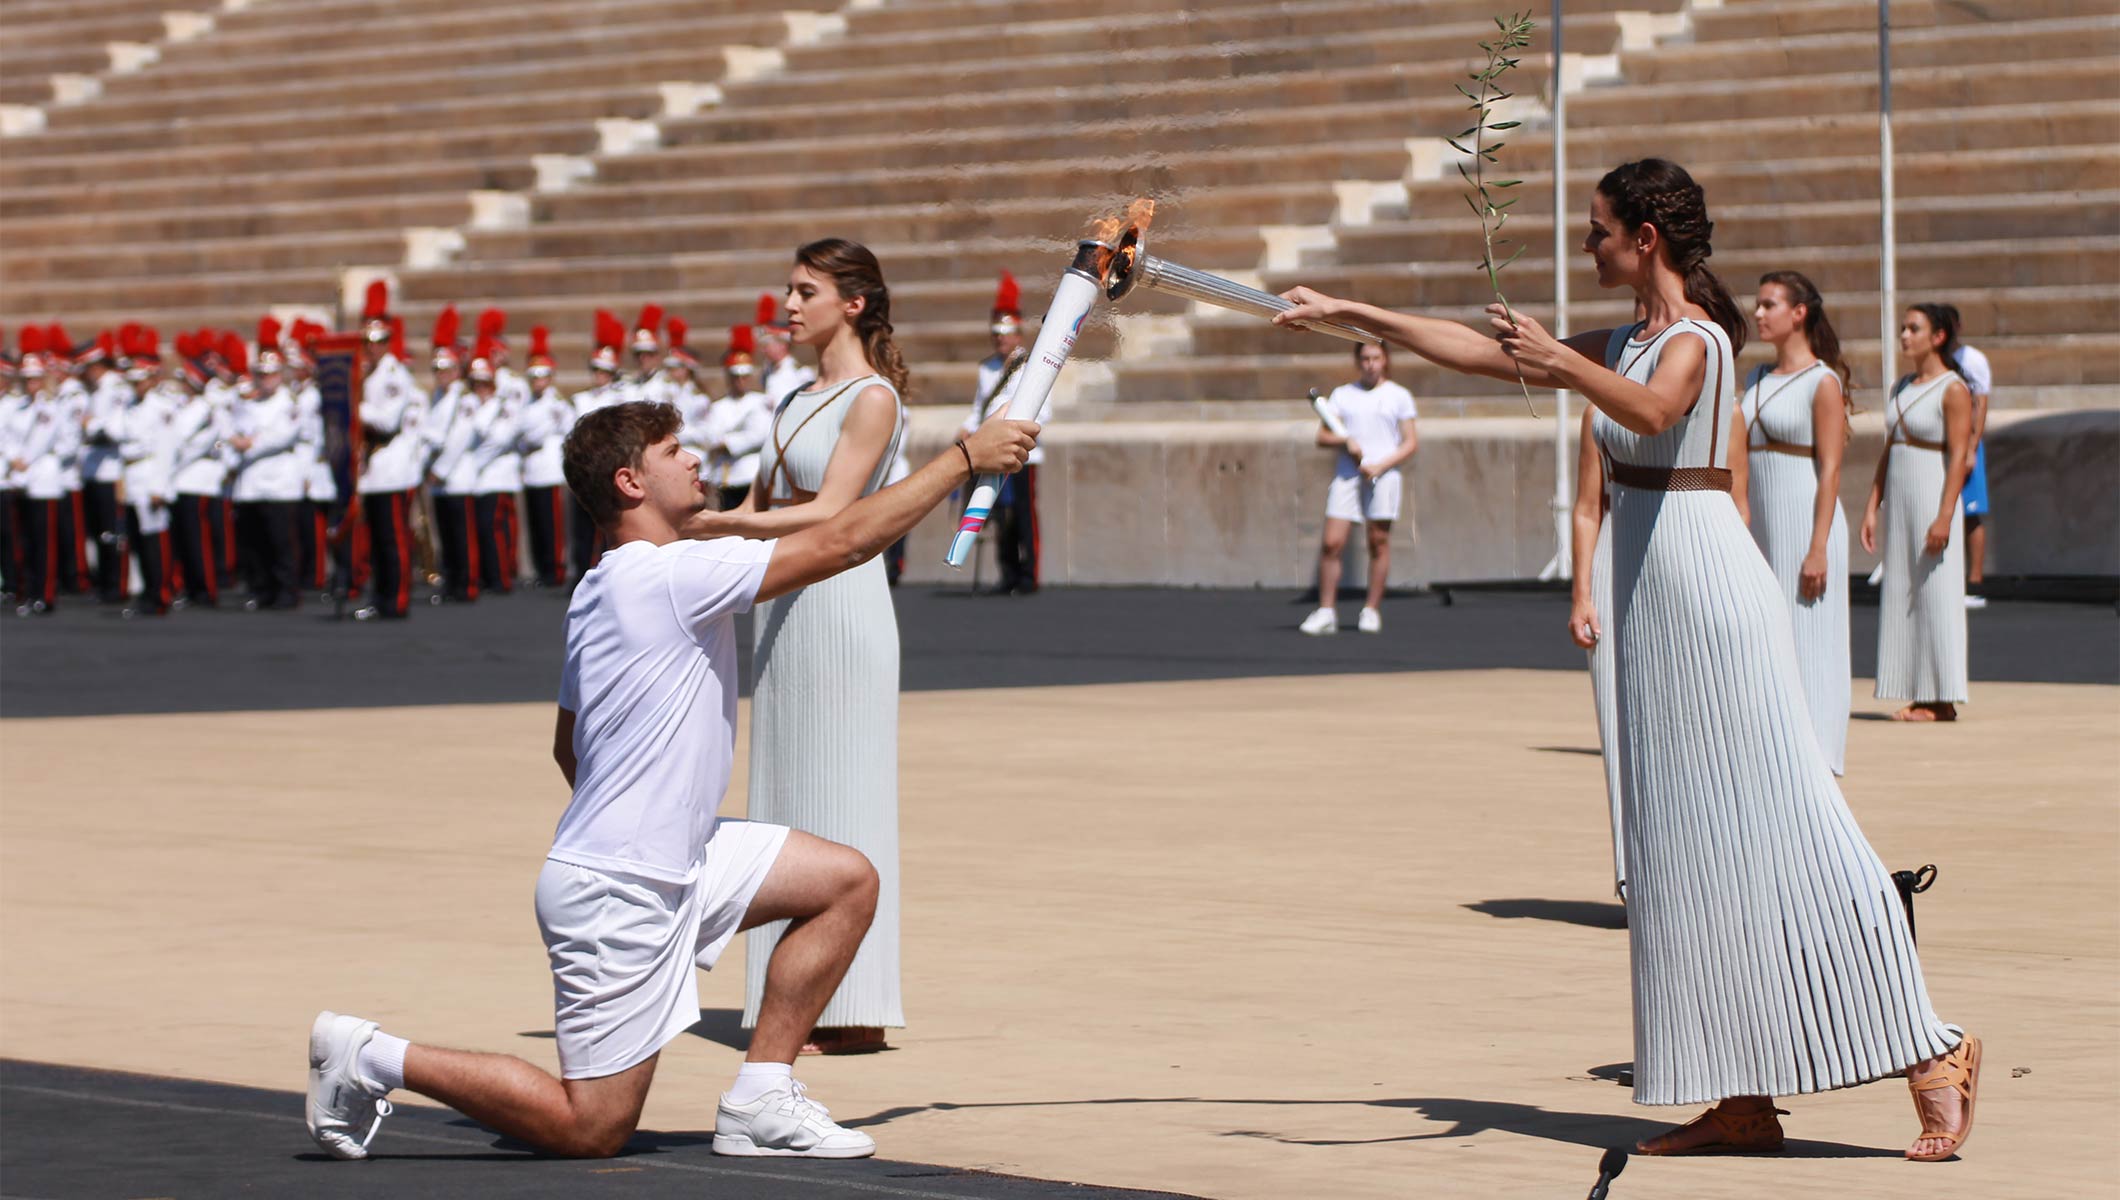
{"points": [[1656, 191]]}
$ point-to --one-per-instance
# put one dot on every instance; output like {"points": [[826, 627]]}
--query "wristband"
{"points": [[967, 452]]}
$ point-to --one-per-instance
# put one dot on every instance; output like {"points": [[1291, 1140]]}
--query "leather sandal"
{"points": [[1757, 1132], [1960, 1070]]}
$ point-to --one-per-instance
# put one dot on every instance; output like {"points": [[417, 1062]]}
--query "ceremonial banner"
{"points": [[338, 383]]}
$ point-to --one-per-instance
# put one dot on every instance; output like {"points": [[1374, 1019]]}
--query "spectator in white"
{"points": [[547, 420], [738, 424], [1366, 484], [271, 479], [1972, 366]]}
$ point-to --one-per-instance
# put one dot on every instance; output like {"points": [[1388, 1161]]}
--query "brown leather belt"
{"points": [[1917, 443], [1671, 479], [1793, 449]]}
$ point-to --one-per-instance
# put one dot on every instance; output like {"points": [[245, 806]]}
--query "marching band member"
{"points": [[64, 368], [1015, 509], [14, 426], [393, 418], [102, 466], [648, 383], [680, 371], [44, 457], [145, 444], [605, 389], [546, 421], [269, 482], [197, 475], [497, 452], [738, 424]]}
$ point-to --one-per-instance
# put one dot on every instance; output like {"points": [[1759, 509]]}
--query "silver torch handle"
{"points": [[1163, 275]]}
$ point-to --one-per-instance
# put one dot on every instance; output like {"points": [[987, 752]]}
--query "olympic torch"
{"points": [[1133, 266], [1080, 287]]}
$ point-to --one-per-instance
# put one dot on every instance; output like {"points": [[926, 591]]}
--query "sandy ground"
{"points": [[1257, 938]]}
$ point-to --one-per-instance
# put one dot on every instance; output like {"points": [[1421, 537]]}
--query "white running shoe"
{"points": [[1371, 621], [1320, 623], [785, 1123], [345, 1110], [1976, 601]]}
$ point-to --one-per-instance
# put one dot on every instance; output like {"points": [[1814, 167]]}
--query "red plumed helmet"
{"points": [[540, 342], [447, 324], [768, 309], [377, 304], [678, 329], [1008, 298], [106, 347], [234, 354], [645, 337], [609, 330], [56, 341], [491, 323], [742, 346], [268, 333], [32, 340]]}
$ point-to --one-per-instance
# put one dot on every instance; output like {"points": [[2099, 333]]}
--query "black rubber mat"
{"points": [[78, 1133], [86, 660]]}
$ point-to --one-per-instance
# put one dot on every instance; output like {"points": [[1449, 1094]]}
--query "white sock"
{"points": [[382, 1061], [756, 1079]]}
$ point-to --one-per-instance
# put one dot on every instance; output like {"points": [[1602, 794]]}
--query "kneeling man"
{"points": [[643, 882]]}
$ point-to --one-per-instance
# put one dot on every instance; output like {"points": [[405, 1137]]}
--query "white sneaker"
{"points": [[1976, 601], [1371, 621], [342, 1105], [1320, 623], [785, 1123]]}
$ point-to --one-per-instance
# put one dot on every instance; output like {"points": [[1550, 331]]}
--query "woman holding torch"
{"points": [[1771, 955]]}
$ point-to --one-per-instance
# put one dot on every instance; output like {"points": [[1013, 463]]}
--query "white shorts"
{"points": [[624, 948], [1353, 498]]}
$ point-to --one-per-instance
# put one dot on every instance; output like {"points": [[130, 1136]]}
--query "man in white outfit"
{"points": [[1366, 484], [643, 883]]}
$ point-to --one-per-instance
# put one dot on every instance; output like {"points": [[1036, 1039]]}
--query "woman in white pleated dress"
{"points": [[824, 697], [1770, 952], [1591, 554], [1797, 433], [1914, 504]]}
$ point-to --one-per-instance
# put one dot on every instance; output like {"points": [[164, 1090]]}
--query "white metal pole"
{"points": [[1563, 564], [1888, 254]]}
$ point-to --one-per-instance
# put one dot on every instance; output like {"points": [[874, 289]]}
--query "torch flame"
{"points": [[1105, 229], [1140, 213]]}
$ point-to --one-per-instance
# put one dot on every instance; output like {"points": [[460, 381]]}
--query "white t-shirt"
{"points": [[1979, 376], [1372, 416], [650, 676]]}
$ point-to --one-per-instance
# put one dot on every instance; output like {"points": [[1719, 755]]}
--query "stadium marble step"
{"points": [[304, 150], [1150, 28], [1797, 230], [248, 219], [27, 39], [1093, 183], [341, 182], [70, 133], [1934, 89], [1913, 51], [655, 275], [1798, 18], [1428, 101], [438, 52], [911, 15], [487, 85], [2059, 170]]}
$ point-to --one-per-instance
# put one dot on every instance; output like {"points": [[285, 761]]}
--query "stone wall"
{"points": [[1240, 503]]}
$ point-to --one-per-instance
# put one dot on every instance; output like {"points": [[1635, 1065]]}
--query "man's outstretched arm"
{"points": [[868, 526]]}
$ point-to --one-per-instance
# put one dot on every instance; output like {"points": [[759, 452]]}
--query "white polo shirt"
{"points": [[650, 676]]}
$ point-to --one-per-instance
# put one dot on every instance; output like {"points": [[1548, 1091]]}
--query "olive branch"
{"points": [[1484, 198]]}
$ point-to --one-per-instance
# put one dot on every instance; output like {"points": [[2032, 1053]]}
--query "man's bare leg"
{"points": [[827, 893], [578, 1118]]}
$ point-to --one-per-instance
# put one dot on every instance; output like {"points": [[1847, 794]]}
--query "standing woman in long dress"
{"points": [[1797, 425], [1914, 500], [1770, 953], [1591, 553], [824, 699]]}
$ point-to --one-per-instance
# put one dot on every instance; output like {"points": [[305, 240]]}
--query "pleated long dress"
{"points": [[1606, 695], [1769, 950], [824, 712], [1784, 493], [1921, 604]]}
